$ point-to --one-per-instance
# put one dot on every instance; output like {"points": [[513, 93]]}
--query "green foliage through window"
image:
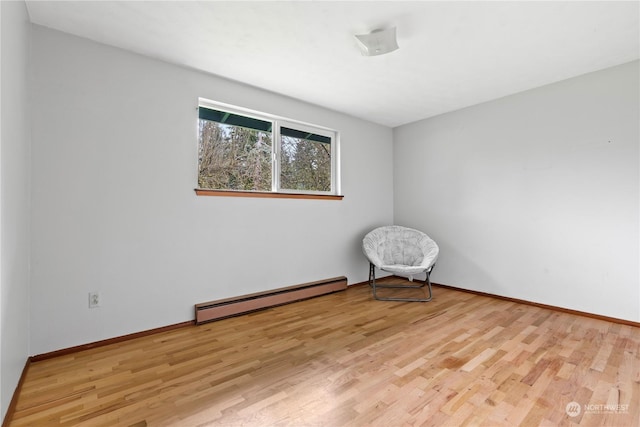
{"points": [[305, 164], [233, 157]]}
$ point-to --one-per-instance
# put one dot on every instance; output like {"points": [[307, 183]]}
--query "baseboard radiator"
{"points": [[220, 309]]}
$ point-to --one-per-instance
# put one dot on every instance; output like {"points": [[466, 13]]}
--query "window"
{"points": [[242, 150]]}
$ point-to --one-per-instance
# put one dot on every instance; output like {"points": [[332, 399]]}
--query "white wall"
{"points": [[533, 196], [114, 168], [14, 198]]}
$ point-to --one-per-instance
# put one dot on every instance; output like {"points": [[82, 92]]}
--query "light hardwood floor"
{"points": [[347, 360]]}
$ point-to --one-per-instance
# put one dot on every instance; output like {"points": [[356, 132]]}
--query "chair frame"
{"points": [[375, 286]]}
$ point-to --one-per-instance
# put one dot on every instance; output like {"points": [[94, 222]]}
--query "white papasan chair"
{"points": [[402, 251]]}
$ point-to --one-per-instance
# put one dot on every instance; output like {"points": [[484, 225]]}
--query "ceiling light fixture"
{"points": [[378, 42]]}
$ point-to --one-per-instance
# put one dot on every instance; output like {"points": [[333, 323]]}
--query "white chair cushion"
{"points": [[400, 250]]}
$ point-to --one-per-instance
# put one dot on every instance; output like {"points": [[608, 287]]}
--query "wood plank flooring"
{"points": [[348, 360]]}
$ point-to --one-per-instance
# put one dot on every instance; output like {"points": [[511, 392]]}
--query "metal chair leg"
{"points": [[372, 283]]}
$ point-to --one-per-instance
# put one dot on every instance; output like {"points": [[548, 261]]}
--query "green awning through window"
{"points": [[233, 119], [257, 124], [305, 135]]}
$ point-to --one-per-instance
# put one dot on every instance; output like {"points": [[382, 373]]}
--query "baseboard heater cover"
{"points": [[220, 309]]}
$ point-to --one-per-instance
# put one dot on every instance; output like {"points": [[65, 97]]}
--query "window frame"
{"points": [[277, 122]]}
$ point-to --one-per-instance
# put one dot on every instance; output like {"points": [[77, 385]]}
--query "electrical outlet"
{"points": [[94, 299]]}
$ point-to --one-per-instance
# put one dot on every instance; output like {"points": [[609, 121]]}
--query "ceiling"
{"points": [[452, 54]]}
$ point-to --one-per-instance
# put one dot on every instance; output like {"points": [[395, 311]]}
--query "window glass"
{"points": [[234, 152], [305, 161]]}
